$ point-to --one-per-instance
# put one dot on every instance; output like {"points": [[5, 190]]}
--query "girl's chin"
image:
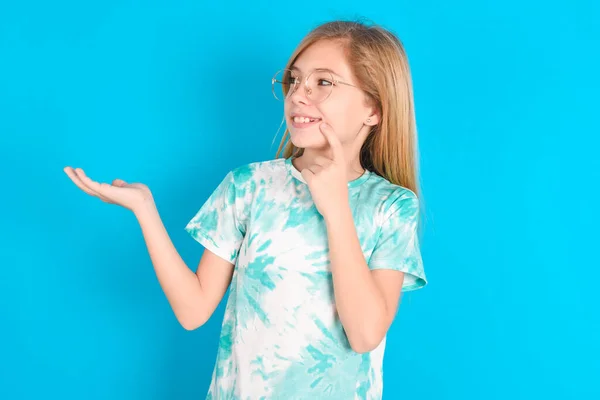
{"points": [[305, 139]]}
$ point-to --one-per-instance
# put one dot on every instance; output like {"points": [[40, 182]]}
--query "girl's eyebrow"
{"points": [[293, 67]]}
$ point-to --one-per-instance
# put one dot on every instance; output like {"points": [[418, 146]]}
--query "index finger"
{"points": [[334, 142]]}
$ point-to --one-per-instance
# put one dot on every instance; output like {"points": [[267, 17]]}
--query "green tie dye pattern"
{"points": [[281, 336]]}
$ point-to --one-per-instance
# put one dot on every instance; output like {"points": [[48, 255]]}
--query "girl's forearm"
{"points": [[360, 304], [180, 285]]}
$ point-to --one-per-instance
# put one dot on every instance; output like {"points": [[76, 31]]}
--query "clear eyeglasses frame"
{"points": [[318, 84]]}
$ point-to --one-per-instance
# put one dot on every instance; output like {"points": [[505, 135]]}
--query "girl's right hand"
{"points": [[128, 195]]}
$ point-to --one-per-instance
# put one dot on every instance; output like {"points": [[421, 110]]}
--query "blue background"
{"points": [[174, 94]]}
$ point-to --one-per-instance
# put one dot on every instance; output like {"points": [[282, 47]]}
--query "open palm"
{"points": [[128, 195]]}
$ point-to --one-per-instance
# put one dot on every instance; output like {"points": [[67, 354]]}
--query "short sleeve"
{"points": [[219, 225], [397, 246]]}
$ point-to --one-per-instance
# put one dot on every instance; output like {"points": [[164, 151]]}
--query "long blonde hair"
{"points": [[378, 60]]}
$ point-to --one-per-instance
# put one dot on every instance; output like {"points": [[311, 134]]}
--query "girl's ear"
{"points": [[372, 119]]}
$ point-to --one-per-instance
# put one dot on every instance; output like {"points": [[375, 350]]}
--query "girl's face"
{"points": [[346, 108]]}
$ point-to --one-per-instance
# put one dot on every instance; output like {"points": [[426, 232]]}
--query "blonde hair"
{"points": [[378, 60]]}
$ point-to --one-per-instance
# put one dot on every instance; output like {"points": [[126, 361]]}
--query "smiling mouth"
{"points": [[304, 120]]}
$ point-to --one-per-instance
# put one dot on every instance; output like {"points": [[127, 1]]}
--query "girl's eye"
{"points": [[293, 80], [325, 82]]}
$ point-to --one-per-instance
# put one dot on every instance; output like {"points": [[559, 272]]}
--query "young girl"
{"points": [[316, 247]]}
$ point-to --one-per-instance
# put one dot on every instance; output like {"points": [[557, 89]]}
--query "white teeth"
{"points": [[303, 120]]}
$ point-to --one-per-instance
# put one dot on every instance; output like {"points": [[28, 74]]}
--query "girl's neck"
{"points": [[353, 168]]}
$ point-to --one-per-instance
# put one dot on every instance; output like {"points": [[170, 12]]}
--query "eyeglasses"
{"points": [[318, 85]]}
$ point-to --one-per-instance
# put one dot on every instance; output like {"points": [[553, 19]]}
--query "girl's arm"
{"points": [[192, 296], [366, 300]]}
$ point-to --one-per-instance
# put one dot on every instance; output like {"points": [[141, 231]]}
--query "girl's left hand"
{"points": [[327, 177]]}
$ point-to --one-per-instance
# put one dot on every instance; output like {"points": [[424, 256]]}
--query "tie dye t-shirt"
{"points": [[281, 337]]}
